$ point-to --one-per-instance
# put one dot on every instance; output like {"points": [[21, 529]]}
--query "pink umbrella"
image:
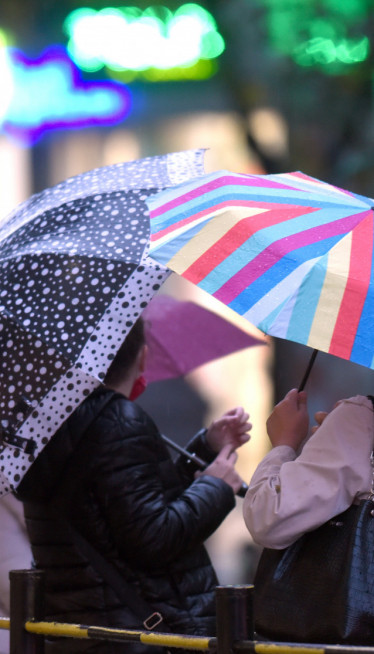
{"points": [[184, 335]]}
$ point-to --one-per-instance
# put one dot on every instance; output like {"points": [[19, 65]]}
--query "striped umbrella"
{"points": [[290, 253]]}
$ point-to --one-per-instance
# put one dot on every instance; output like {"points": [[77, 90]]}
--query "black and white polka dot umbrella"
{"points": [[74, 277]]}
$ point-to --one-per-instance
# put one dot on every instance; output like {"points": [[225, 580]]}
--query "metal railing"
{"points": [[234, 617]]}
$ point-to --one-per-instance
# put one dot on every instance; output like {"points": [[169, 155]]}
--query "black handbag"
{"points": [[320, 589]]}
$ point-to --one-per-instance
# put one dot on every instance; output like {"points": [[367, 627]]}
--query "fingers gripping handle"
{"points": [[199, 462]]}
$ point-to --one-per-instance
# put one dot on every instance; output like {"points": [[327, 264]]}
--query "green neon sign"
{"points": [[155, 44]]}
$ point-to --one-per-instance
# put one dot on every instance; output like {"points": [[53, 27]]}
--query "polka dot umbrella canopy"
{"points": [[74, 277]]}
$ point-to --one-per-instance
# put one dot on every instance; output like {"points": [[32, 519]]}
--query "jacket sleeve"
{"points": [[289, 495], [151, 516]]}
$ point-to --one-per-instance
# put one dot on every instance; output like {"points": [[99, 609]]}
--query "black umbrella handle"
{"points": [[242, 490], [307, 372], [200, 463]]}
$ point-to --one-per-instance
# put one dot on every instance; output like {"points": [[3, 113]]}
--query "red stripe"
{"points": [[221, 181], [324, 185], [278, 249], [214, 208], [356, 289], [200, 214], [238, 234]]}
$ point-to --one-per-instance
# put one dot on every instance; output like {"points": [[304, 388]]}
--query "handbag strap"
{"points": [[127, 593]]}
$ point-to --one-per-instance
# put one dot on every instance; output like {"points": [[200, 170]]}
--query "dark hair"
{"points": [[127, 353]]}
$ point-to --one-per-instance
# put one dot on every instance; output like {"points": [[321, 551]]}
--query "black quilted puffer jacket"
{"points": [[108, 473]]}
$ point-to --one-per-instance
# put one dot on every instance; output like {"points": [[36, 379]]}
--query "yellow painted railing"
{"points": [[235, 633]]}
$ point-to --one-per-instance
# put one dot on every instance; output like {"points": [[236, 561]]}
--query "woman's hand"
{"points": [[319, 417], [223, 467], [289, 422], [231, 429]]}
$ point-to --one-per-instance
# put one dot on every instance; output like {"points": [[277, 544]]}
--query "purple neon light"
{"points": [[29, 134]]}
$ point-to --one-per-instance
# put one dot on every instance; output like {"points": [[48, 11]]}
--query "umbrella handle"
{"points": [[199, 462], [307, 372], [242, 490]]}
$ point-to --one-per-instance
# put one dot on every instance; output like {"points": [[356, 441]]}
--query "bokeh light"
{"points": [[7, 82], [47, 93], [330, 35], [158, 40]]}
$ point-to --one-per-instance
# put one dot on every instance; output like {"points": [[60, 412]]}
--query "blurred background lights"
{"points": [[324, 51], [129, 39], [7, 83], [270, 131], [47, 93], [330, 35]]}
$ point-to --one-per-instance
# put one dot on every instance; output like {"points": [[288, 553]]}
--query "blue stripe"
{"points": [[263, 238], [306, 303], [252, 194], [257, 289], [323, 189], [266, 324], [162, 197], [363, 347], [165, 251]]}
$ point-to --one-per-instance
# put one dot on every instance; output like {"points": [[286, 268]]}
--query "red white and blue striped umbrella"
{"points": [[290, 253]]}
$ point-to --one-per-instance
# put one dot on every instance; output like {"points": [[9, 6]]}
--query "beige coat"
{"points": [[292, 493]]}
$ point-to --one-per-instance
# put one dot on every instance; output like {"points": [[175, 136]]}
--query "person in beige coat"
{"points": [[304, 480]]}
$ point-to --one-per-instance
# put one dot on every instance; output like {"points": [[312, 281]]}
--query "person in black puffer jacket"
{"points": [[106, 476]]}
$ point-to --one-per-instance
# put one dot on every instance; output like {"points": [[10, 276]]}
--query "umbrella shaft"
{"points": [[307, 372], [189, 455], [199, 462]]}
